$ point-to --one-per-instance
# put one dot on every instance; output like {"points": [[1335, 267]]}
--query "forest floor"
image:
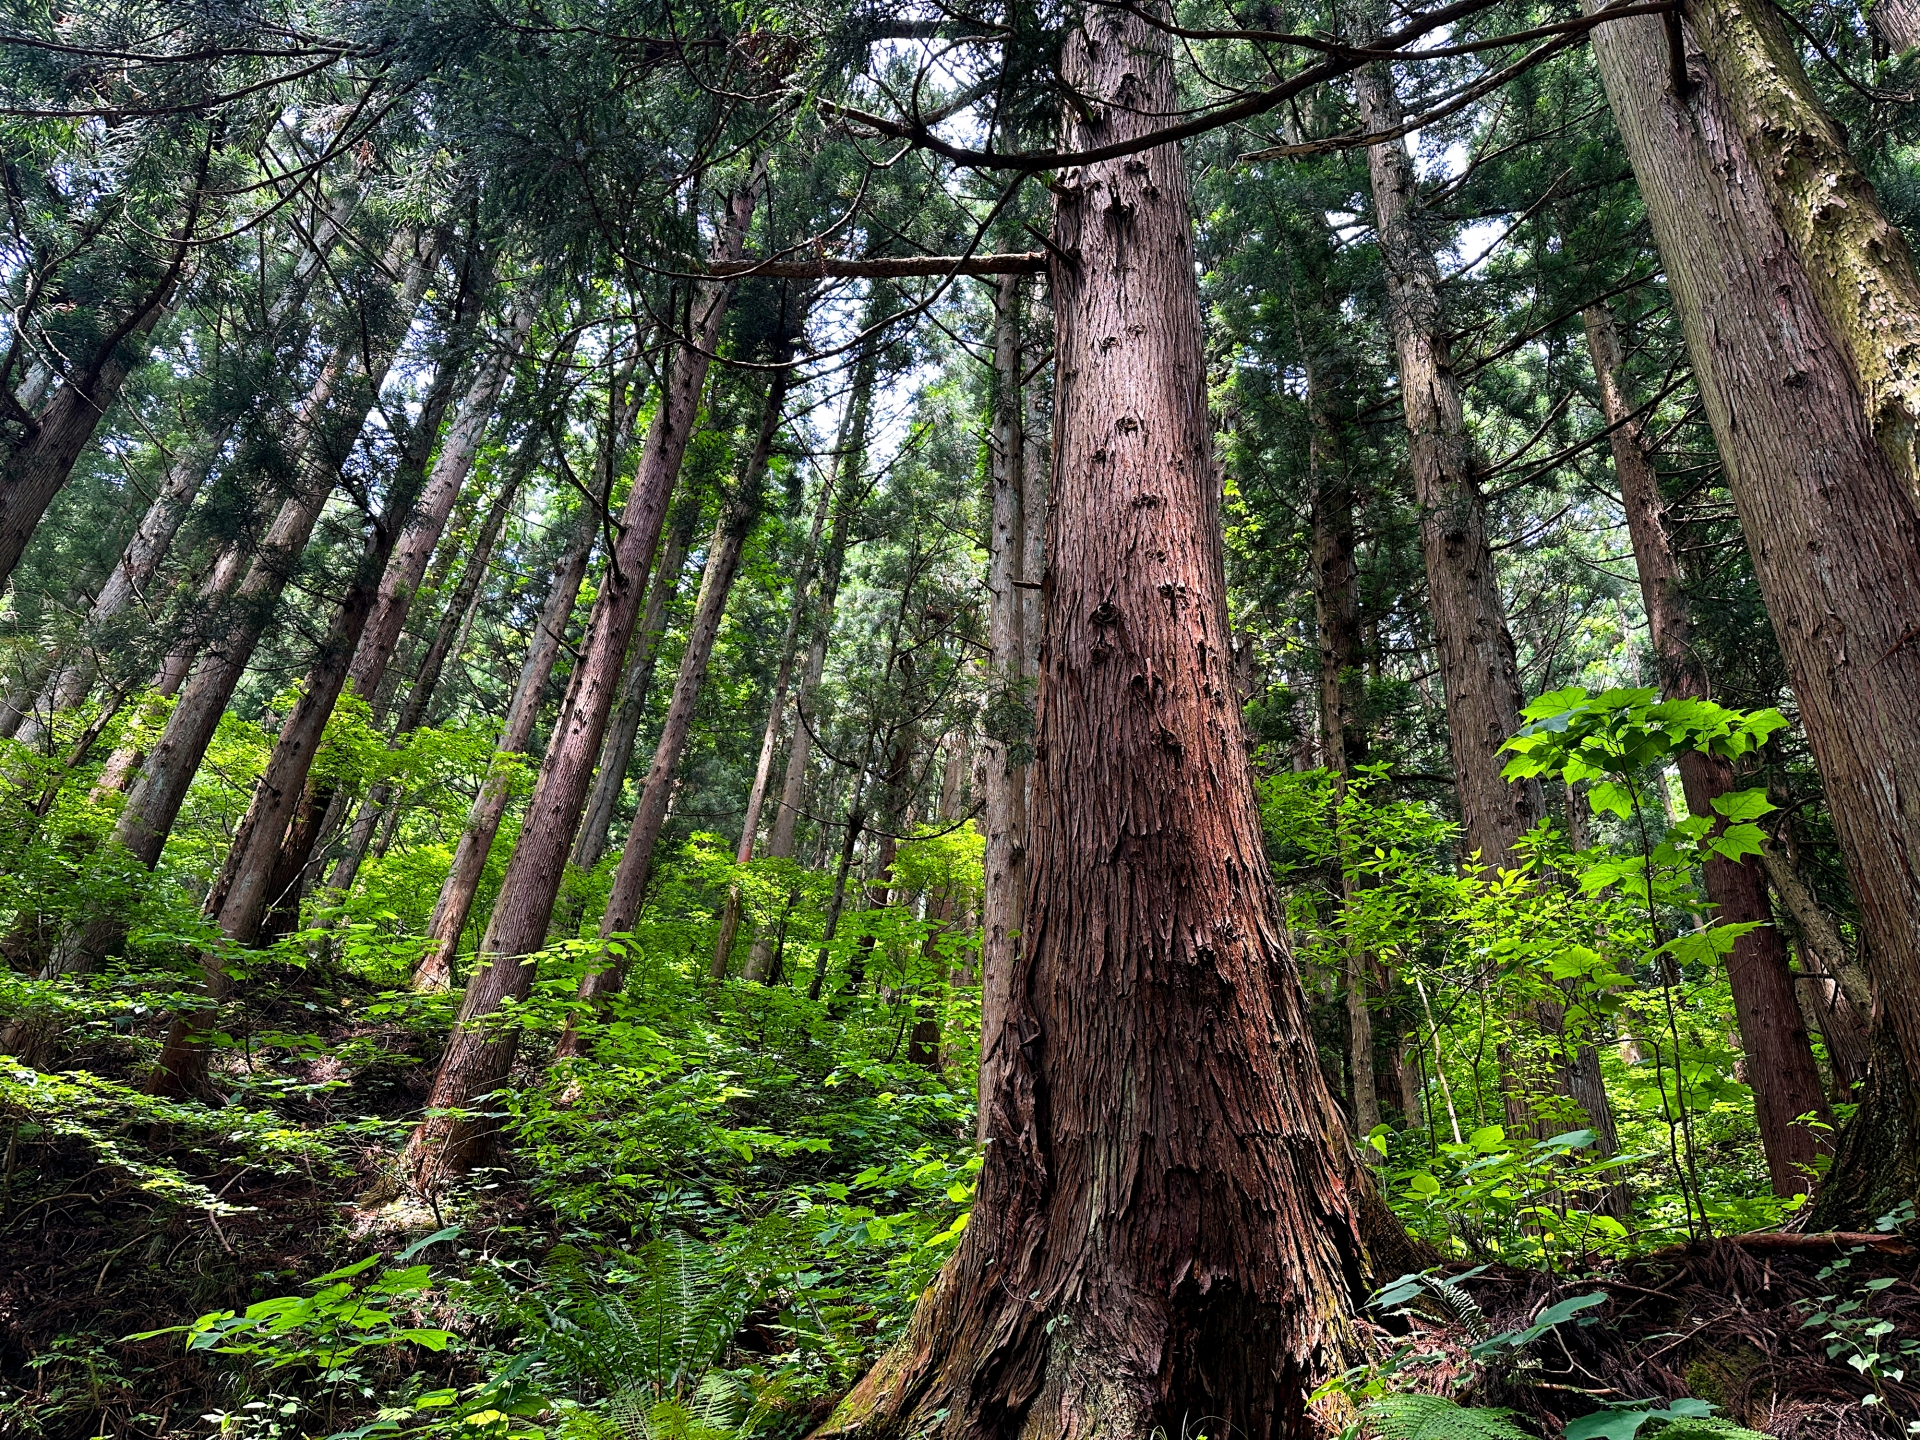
{"points": [[1795, 1337]]}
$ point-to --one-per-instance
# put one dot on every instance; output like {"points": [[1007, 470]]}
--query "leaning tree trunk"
{"points": [[1829, 516], [450, 911], [478, 1056], [1479, 671], [1168, 1220], [251, 880], [1008, 746], [724, 553], [730, 916], [636, 687], [333, 425], [1780, 1064]]}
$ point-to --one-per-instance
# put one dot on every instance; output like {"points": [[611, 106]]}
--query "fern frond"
{"points": [[1705, 1428], [1434, 1417], [1458, 1306]]}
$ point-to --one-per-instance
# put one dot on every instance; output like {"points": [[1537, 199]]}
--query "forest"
{"points": [[959, 720]]}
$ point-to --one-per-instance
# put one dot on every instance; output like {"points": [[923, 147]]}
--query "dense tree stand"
{"points": [[1167, 1230]]}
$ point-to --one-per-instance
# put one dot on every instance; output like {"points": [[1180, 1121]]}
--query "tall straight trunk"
{"points": [[1005, 750], [406, 566], [1830, 518], [450, 911], [1336, 606], [849, 492], [1780, 1064], [724, 552], [1478, 667], [636, 686], [1168, 1223], [331, 426], [478, 1057], [254, 875], [769, 738], [466, 595], [837, 901]]}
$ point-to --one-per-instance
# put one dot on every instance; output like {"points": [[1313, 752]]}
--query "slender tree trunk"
{"points": [[837, 902], [478, 1058], [450, 912], [1478, 667], [724, 552], [1007, 747], [186, 474], [406, 567], [849, 492], [255, 872], [1168, 1223], [636, 685], [1829, 517], [330, 430], [770, 737], [1780, 1064], [38, 465]]}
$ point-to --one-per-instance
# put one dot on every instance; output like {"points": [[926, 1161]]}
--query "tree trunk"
{"points": [[477, 1058], [1780, 1064], [256, 872], [406, 567], [435, 971], [849, 493], [1007, 748], [724, 552], [1830, 520], [770, 737], [636, 684], [1478, 668], [1898, 22], [837, 903], [329, 431], [1168, 1222], [39, 464]]}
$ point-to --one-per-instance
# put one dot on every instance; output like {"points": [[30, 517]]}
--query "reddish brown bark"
{"points": [[1830, 524], [478, 1056], [450, 911], [1478, 666], [636, 687], [1780, 1064], [1004, 751], [1168, 1219], [724, 553], [255, 873]]}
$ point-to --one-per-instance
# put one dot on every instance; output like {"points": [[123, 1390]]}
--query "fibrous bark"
{"points": [[1167, 1225], [1829, 517], [738, 518], [478, 1057], [1478, 667]]}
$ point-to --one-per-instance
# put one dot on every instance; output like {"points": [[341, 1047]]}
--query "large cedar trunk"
{"points": [[1829, 518], [1168, 1221], [1780, 1064], [478, 1057], [1003, 760], [724, 553]]}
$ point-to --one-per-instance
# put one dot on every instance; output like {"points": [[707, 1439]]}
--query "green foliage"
{"points": [[1434, 1417]]}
